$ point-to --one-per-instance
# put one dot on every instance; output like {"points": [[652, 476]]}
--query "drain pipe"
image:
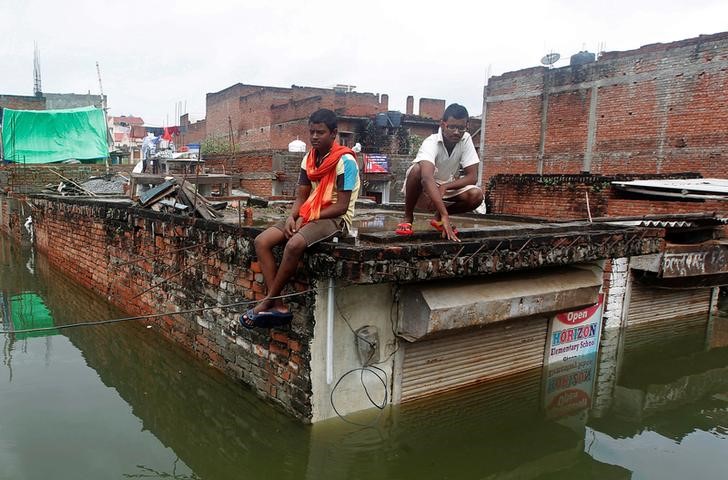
{"points": [[330, 333]]}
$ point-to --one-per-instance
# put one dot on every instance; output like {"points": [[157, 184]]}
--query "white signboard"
{"points": [[571, 353], [574, 334]]}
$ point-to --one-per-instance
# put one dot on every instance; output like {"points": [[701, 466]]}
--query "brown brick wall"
{"points": [[32, 179], [270, 117], [192, 132], [255, 170], [559, 197], [657, 109], [120, 253], [220, 105], [22, 102], [13, 213], [431, 108]]}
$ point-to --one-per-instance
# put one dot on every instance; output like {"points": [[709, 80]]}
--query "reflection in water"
{"points": [[26, 311], [119, 401], [670, 416]]}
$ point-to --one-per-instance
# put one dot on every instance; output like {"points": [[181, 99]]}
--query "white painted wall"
{"points": [[361, 305]]}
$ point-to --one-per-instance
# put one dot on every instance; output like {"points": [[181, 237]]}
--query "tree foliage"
{"points": [[372, 138], [216, 145]]}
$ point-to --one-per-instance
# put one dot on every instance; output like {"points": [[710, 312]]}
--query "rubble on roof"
{"points": [[180, 198], [113, 184]]}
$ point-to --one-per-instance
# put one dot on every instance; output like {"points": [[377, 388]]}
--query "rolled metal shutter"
{"points": [[647, 305], [447, 363], [659, 315]]}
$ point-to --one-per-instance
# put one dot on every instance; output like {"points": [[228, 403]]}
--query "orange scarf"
{"points": [[325, 174]]}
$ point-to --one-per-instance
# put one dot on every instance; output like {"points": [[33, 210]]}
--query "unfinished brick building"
{"points": [[662, 108], [263, 117], [269, 118]]}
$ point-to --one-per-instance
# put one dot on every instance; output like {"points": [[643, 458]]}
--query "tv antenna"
{"points": [[37, 90], [550, 58]]}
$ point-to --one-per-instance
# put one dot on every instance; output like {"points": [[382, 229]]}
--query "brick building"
{"points": [[263, 117], [662, 108], [22, 102], [128, 131], [269, 118], [191, 132]]}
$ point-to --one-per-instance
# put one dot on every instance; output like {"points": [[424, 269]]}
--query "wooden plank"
{"points": [[155, 192]]}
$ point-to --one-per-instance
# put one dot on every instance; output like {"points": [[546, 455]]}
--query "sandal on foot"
{"points": [[404, 229], [271, 319], [437, 225]]}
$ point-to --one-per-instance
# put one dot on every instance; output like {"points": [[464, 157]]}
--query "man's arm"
{"points": [[293, 220], [302, 193], [340, 207], [470, 178], [429, 185], [427, 171]]}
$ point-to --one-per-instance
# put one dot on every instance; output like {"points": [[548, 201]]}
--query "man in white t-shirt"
{"points": [[433, 181]]}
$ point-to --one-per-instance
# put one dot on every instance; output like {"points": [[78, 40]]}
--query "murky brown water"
{"points": [[118, 401]]}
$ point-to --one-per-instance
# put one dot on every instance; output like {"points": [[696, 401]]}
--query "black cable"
{"points": [[381, 408], [368, 367], [144, 317]]}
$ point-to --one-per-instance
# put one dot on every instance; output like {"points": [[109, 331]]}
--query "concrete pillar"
{"points": [[591, 134], [614, 316], [410, 105], [544, 122]]}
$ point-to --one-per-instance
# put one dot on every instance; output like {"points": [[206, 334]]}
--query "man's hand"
{"points": [[447, 229], [442, 189], [292, 226]]}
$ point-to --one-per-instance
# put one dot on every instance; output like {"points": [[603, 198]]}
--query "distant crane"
{"points": [[101, 87]]}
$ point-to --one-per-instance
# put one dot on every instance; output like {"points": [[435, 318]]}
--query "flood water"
{"points": [[118, 401]]}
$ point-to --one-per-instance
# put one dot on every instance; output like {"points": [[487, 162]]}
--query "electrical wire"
{"points": [[369, 367], [145, 317], [381, 407]]}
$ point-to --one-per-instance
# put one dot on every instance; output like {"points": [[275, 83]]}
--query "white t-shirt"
{"points": [[447, 165]]}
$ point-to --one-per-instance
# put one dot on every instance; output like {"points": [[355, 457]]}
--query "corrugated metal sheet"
{"points": [[456, 361], [655, 223], [694, 185], [493, 402], [648, 305], [656, 334], [668, 223]]}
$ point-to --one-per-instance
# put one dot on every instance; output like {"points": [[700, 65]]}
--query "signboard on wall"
{"points": [[376, 163], [574, 334], [571, 360]]}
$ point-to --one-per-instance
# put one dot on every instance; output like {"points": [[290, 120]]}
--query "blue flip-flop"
{"points": [[271, 319]]}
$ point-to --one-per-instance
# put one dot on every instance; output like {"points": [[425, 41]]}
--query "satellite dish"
{"points": [[550, 58]]}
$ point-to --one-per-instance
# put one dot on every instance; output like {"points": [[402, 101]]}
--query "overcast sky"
{"points": [[155, 54]]}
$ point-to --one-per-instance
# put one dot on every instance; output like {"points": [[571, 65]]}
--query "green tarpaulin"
{"points": [[27, 311], [45, 136]]}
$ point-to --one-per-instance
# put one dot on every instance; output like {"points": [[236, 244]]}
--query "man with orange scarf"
{"points": [[328, 186]]}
